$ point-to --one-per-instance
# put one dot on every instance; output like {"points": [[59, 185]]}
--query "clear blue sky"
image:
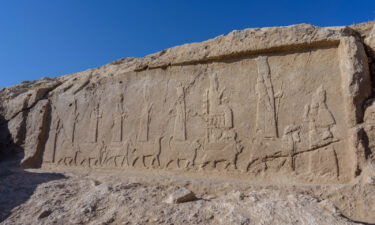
{"points": [[41, 38]]}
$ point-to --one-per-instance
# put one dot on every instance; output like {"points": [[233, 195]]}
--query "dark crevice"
{"points": [[366, 144], [355, 221], [10, 147], [371, 61], [36, 160]]}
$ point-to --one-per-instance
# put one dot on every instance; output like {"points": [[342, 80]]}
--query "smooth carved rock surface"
{"points": [[283, 102]]}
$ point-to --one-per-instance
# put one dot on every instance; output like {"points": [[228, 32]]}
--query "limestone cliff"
{"points": [[275, 105], [280, 101]]}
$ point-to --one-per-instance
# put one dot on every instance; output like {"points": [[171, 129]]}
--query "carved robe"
{"points": [[321, 120], [266, 111], [118, 122], [179, 125], [117, 128], [93, 127], [143, 124]]}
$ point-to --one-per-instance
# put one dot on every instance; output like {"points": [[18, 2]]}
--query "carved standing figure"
{"points": [[94, 123], [291, 139], [118, 120], [179, 148], [219, 116], [179, 132], [221, 144], [323, 161], [320, 120], [145, 117], [266, 125]]}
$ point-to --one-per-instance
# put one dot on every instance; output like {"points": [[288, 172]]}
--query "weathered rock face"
{"points": [[283, 104]]}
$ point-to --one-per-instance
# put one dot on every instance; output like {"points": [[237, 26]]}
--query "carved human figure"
{"points": [[291, 138], [219, 115], [75, 120], [323, 160], [221, 143], [94, 123], [51, 145], [65, 128], [118, 119], [179, 132], [320, 120], [145, 116], [69, 120], [266, 124]]}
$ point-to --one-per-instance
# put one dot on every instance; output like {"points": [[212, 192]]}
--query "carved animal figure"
{"points": [[96, 156], [227, 154], [70, 155], [182, 150], [118, 155], [143, 150]]}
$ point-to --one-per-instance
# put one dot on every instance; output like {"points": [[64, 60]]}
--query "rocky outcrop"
{"points": [[18, 109], [117, 115], [275, 105], [82, 200]]}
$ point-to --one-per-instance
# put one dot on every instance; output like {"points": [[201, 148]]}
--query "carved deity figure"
{"points": [[179, 132], [323, 161], [266, 110], [221, 141], [75, 120], [144, 117], [219, 115], [320, 120], [94, 123], [118, 119]]}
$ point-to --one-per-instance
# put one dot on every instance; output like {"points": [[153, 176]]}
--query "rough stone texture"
{"points": [[280, 105], [104, 199], [260, 102], [36, 127], [370, 39], [16, 102], [180, 195]]}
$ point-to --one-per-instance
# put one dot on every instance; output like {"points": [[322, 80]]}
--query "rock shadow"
{"points": [[16, 184]]}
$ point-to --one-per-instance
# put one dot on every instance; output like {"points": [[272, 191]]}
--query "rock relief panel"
{"points": [[273, 146]]}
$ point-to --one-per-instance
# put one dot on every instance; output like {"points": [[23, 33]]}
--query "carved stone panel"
{"points": [[279, 112]]}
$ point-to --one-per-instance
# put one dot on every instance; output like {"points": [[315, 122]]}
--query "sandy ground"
{"points": [[116, 197]]}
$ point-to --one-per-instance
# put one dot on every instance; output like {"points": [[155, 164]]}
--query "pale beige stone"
{"points": [[370, 39], [255, 103], [279, 105], [180, 195], [260, 103], [36, 134]]}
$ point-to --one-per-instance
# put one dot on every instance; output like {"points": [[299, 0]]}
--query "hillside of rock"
{"points": [[282, 119]]}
